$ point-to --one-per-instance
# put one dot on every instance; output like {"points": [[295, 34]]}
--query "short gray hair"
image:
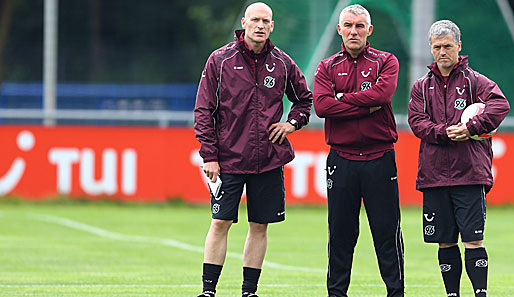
{"points": [[356, 9], [442, 28]]}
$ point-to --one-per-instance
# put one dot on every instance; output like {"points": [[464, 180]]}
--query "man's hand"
{"points": [[279, 131], [374, 108], [211, 170], [458, 132]]}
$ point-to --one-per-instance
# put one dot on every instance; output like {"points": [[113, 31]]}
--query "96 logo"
{"points": [[460, 103]]}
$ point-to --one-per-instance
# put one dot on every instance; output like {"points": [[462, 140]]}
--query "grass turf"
{"points": [[104, 249]]}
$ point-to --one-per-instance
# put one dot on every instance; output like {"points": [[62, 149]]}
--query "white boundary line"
{"points": [[154, 240]]}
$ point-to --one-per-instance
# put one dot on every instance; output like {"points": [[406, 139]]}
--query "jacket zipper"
{"points": [[445, 115], [358, 121], [446, 124], [257, 116]]}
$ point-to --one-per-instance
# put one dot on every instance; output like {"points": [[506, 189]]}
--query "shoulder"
{"points": [[378, 53], [229, 47], [279, 54], [381, 56], [476, 78], [423, 79], [223, 52], [332, 60], [277, 51], [421, 82]]}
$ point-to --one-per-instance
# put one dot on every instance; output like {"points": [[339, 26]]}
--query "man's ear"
{"points": [[339, 29], [370, 30]]}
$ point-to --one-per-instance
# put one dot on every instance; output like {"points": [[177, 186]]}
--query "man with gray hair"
{"points": [[353, 91], [454, 170]]}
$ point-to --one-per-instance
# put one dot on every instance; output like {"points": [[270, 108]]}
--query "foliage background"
{"points": [[161, 41]]}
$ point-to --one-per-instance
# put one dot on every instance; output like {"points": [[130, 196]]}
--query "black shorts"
{"points": [[448, 211], [265, 195]]}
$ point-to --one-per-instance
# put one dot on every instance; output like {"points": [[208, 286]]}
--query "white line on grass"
{"points": [[155, 240]]}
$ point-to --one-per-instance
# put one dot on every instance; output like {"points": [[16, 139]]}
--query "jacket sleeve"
{"points": [[326, 106], [419, 120], [382, 92], [496, 107], [299, 94], [205, 108]]}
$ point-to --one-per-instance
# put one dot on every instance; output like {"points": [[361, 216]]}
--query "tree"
{"points": [[6, 12]]}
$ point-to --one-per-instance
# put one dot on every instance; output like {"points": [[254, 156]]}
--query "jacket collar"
{"points": [[239, 39], [366, 48], [462, 62]]}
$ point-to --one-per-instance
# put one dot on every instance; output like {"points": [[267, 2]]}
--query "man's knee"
{"points": [[447, 245], [258, 228], [220, 226], [474, 244]]}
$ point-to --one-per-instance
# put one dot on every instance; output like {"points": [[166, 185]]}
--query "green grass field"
{"points": [[105, 249]]}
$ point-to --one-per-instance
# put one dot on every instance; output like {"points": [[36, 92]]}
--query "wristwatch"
{"points": [[339, 96], [293, 122]]}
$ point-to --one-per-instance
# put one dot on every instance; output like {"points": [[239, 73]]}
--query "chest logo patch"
{"points": [[366, 74], [459, 91], [365, 85], [269, 81], [460, 103], [270, 69]]}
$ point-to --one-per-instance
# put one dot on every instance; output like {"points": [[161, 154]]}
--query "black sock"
{"points": [[250, 279], [211, 273], [476, 267], [450, 263]]}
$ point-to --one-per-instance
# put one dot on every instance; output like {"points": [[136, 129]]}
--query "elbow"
{"points": [[321, 115], [385, 95], [385, 98], [319, 110]]}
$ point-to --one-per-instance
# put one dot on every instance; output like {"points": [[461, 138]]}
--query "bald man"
{"points": [[243, 143]]}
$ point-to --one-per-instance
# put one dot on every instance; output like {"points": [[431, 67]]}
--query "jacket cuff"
{"points": [[471, 128], [210, 159], [443, 137], [295, 122]]}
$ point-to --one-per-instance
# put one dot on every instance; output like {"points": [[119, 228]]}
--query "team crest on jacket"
{"points": [[269, 81], [460, 103], [365, 85]]}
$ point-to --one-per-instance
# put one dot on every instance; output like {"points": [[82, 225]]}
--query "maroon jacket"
{"points": [[434, 106], [367, 81], [235, 106]]}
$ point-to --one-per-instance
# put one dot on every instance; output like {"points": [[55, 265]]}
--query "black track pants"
{"points": [[376, 182]]}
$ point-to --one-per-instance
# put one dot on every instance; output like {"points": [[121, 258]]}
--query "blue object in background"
{"points": [[172, 97]]}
